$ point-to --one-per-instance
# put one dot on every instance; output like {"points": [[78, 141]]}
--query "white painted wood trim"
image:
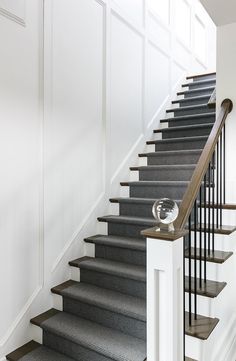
{"points": [[165, 300]]}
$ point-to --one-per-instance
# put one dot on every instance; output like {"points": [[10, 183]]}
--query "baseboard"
{"points": [[226, 350]]}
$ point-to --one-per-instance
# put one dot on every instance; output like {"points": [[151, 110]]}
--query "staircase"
{"points": [[104, 315]]}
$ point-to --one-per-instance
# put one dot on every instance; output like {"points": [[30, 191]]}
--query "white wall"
{"points": [[71, 127], [226, 80]]}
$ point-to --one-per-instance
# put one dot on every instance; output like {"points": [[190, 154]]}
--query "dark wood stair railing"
{"points": [[200, 218], [191, 194]]}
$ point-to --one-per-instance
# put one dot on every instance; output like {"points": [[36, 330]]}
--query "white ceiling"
{"points": [[222, 12]]}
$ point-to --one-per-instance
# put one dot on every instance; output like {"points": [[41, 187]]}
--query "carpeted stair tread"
{"points": [[193, 91], [199, 82], [33, 351], [176, 140], [149, 201], [137, 244], [165, 166], [90, 335], [190, 107], [171, 152], [187, 117], [103, 298], [184, 127], [120, 269], [197, 97], [128, 220], [155, 183]]}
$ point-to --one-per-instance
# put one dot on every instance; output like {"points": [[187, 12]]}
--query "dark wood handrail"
{"points": [[191, 193]]}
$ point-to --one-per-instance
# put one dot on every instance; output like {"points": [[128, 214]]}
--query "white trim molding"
{"points": [[13, 14]]}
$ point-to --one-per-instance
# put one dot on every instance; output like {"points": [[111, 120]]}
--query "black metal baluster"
{"points": [[190, 270], [221, 178], [224, 178], [200, 239], [209, 209], [205, 229], [217, 185], [213, 203], [195, 259]]}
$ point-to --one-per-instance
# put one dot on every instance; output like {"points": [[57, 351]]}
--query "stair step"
{"points": [[226, 206], [22, 351], [33, 351], [198, 98], [200, 83], [156, 189], [224, 229], [214, 257], [171, 157], [137, 244], [154, 183], [179, 143], [186, 117], [139, 201], [208, 89], [136, 207], [209, 289], [92, 337], [196, 77], [127, 225], [172, 167], [128, 220], [165, 172], [202, 108], [178, 140], [185, 127], [119, 269], [201, 328], [117, 302]]}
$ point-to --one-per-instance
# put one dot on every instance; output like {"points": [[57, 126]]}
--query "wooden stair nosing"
{"points": [[201, 328], [38, 320], [210, 289], [226, 206], [200, 75], [171, 129], [192, 91], [224, 229], [214, 257], [58, 289], [22, 351]]}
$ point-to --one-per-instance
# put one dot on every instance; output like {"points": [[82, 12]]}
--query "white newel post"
{"points": [[165, 321]]}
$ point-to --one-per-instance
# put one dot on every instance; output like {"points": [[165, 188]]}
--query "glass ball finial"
{"points": [[165, 211]]}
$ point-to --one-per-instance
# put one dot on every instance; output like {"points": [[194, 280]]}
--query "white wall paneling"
{"points": [[13, 10], [183, 21], [72, 126]]}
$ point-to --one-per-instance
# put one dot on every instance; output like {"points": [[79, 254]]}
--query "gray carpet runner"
{"points": [[104, 315]]}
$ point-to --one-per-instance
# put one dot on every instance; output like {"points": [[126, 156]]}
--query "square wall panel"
{"points": [[161, 8], [158, 33], [126, 90], [199, 39], [183, 21], [158, 80], [133, 8], [177, 73]]}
